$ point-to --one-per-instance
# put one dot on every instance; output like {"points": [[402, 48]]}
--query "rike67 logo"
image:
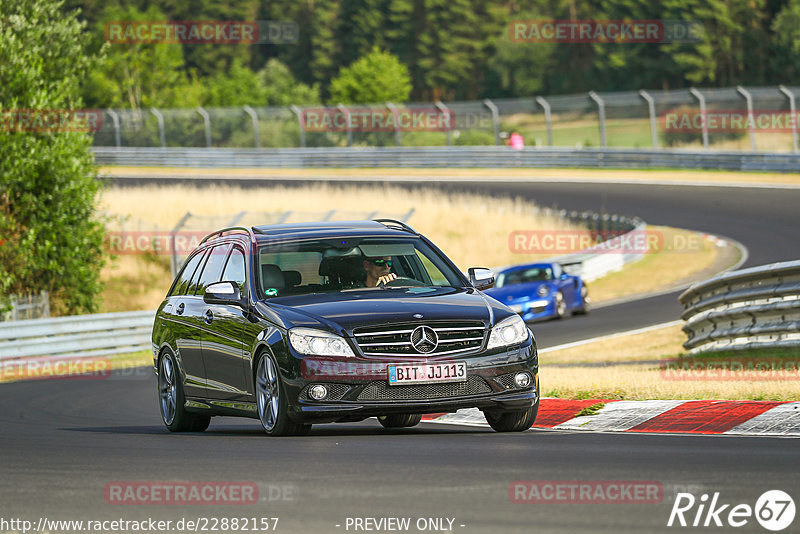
{"points": [[774, 510]]}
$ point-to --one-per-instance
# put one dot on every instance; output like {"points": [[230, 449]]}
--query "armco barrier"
{"points": [[77, 336], [440, 157], [750, 308]]}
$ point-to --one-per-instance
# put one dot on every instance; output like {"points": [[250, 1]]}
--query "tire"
{"points": [[586, 302], [516, 421], [399, 420], [561, 306], [171, 399], [271, 401]]}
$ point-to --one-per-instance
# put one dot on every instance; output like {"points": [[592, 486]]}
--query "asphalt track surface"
{"points": [[62, 441]]}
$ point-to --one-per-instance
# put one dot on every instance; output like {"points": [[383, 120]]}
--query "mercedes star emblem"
{"points": [[424, 339]]}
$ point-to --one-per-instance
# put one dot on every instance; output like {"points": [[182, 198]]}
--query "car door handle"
{"points": [[180, 309], [209, 316]]}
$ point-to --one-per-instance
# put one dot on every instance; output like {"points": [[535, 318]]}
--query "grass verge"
{"points": [[677, 176], [770, 374]]}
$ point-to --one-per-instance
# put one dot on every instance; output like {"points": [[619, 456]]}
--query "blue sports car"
{"points": [[541, 291]]}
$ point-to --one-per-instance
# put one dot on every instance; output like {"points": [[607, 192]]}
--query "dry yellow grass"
{"points": [[598, 175], [472, 230], [648, 381], [652, 345], [682, 253], [640, 382]]}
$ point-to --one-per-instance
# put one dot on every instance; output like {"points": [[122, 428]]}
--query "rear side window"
{"points": [[234, 270], [182, 285], [213, 268]]}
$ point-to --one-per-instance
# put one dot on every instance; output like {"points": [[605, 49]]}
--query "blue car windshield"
{"points": [[523, 276], [331, 265]]}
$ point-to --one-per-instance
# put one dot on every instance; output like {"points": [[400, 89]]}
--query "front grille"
{"points": [[335, 391], [475, 385], [391, 340]]}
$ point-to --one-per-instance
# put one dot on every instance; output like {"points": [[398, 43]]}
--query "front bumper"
{"points": [[507, 401]]}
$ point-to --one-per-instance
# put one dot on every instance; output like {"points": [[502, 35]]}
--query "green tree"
{"points": [[282, 89], [138, 75], [377, 77], [52, 239]]}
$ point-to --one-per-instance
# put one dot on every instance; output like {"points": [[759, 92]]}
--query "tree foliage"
{"points": [[460, 49], [377, 77], [51, 237]]}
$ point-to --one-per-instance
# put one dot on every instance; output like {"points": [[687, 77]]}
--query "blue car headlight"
{"points": [[318, 343], [508, 332], [543, 291]]}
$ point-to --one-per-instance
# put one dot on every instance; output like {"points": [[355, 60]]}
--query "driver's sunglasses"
{"points": [[382, 262]]}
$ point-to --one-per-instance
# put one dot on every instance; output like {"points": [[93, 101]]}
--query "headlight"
{"points": [[318, 343], [543, 291], [508, 332]]}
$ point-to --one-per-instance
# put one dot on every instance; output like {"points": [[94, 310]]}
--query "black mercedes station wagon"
{"points": [[296, 324]]}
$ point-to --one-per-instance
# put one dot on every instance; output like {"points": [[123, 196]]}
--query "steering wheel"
{"points": [[402, 281]]}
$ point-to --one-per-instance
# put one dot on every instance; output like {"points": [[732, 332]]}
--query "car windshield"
{"points": [[331, 265], [523, 276]]}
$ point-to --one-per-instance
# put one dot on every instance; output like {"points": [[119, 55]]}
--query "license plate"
{"points": [[427, 373]]}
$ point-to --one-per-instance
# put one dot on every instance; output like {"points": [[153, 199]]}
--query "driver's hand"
{"points": [[385, 279]]}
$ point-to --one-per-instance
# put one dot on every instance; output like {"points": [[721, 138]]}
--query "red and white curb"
{"points": [[762, 418]]}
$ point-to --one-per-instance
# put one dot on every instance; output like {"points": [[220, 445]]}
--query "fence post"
{"points": [[344, 110], [250, 111], [702, 100], [173, 257], [45, 303], [651, 106], [297, 111], [160, 119], [446, 112], [495, 120], [547, 118], [601, 116], [748, 98], [793, 120], [115, 120], [397, 139], [207, 121]]}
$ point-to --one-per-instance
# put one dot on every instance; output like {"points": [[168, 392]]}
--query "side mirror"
{"points": [[223, 293], [564, 276], [481, 278]]}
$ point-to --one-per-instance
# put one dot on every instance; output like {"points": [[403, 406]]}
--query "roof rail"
{"points": [[231, 230], [395, 223]]}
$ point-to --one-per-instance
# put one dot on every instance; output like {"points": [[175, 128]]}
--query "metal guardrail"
{"points": [[78, 336], [439, 157], [750, 308]]}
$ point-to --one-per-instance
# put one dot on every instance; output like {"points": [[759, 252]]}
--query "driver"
{"points": [[378, 271]]}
